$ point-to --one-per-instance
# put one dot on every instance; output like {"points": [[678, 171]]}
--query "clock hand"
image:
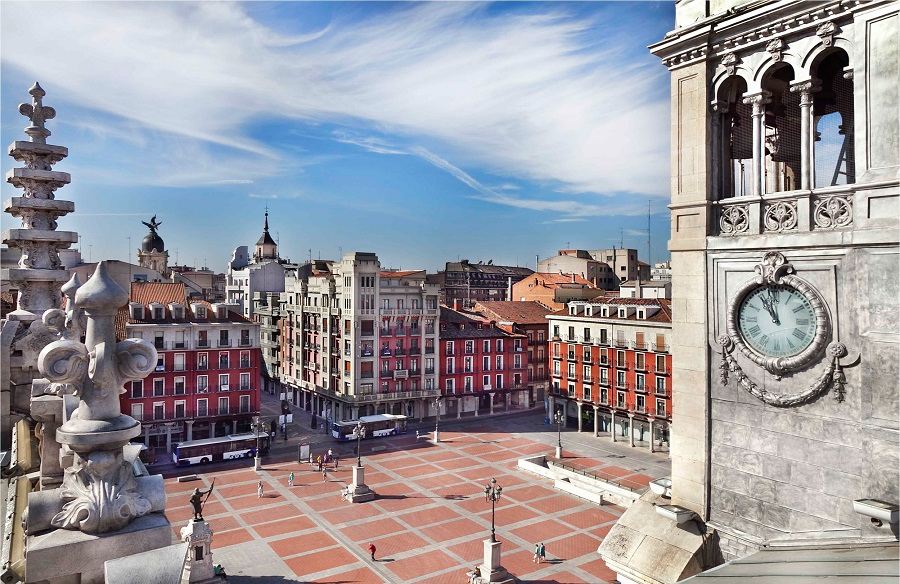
{"points": [[767, 304]]}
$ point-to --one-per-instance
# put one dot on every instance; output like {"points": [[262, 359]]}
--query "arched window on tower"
{"points": [[735, 139], [782, 131], [833, 114]]}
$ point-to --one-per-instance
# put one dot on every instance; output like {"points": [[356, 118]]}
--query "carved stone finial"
{"points": [[38, 113], [99, 491], [772, 267], [730, 61]]}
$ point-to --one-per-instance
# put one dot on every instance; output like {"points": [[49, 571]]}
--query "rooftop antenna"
{"points": [[621, 237], [176, 256], [128, 258], [340, 251], [310, 255]]}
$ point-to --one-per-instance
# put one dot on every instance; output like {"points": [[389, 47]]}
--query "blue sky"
{"points": [[421, 131]]}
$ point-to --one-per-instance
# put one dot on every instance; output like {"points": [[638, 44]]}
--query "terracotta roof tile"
{"points": [[527, 312]]}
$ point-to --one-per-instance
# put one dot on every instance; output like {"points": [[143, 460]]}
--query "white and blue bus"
{"points": [[375, 427], [222, 448]]}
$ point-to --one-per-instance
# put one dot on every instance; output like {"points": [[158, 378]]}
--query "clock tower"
{"points": [[784, 241]]}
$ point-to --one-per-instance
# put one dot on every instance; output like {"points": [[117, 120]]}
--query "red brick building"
{"points": [[207, 377], [482, 366], [610, 367], [529, 319]]}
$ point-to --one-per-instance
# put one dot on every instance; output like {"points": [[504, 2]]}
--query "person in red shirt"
{"points": [[372, 550]]}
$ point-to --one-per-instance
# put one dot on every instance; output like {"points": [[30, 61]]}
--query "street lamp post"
{"points": [[437, 419], [559, 418], [257, 425], [492, 493]]}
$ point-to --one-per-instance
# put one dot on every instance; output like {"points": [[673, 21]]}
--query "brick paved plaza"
{"points": [[428, 523]]}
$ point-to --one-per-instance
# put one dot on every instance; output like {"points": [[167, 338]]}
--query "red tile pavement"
{"points": [[418, 470], [510, 515], [563, 578], [444, 479], [233, 537], [555, 504], [502, 455], [301, 544], [359, 575], [599, 569], [476, 503], [452, 529], [243, 489], [480, 473], [321, 560], [289, 525], [457, 463], [469, 551], [421, 564], [480, 448], [422, 517], [399, 505], [331, 501], [528, 493], [372, 529], [601, 532], [439, 456], [533, 448], [400, 461], [541, 530], [348, 513], [589, 518], [270, 513], [250, 501], [572, 546], [397, 543], [519, 561]]}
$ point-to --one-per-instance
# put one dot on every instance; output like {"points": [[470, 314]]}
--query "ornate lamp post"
{"points": [[360, 430], [492, 492], [437, 419], [559, 418], [257, 425]]}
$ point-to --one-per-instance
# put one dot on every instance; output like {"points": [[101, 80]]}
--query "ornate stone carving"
{"points": [[775, 47], [780, 216], [99, 490], [734, 220], [833, 212], [826, 32], [730, 61], [38, 113]]}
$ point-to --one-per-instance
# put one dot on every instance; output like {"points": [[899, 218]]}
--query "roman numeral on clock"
{"points": [[802, 321], [753, 331], [799, 334], [799, 307]]}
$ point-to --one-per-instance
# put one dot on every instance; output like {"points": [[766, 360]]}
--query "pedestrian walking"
{"points": [[328, 456], [542, 554], [291, 479], [259, 490], [335, 461], [324, 474], [319, 461], [537, 553], [372, 551]]}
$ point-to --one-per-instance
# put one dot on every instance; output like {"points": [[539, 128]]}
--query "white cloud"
{"points": [[517, 94]]}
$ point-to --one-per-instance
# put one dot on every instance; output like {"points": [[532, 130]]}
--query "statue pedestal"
{"points": [[491, 570], [558, 452], [437, 437], [69, 553], [198, 564], [357, 491]]}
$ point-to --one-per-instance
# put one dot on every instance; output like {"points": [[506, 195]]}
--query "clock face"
{"points": [[776, 321]]}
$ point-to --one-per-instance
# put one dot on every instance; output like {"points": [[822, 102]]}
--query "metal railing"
{"points": [[599, 475]]}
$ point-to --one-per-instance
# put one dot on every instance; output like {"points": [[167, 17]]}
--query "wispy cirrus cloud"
{"points": [[528, 95]]}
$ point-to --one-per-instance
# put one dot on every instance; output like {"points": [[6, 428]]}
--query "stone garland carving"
{"points": [[730, 61], [832, 378], [99, 491], [774, 269], [734, 220], [780, 216], [833, 212], [775, 47], [826, 32]]}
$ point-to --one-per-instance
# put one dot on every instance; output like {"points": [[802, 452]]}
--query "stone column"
{"points": [[806, 89], [491, 397], [168, 439], [596, 421], [189, 430], [580, 423], [506, 399], [147, 436], [612, 425], [652, 437], [631, 429], [459, 407], [758, 101], [234, 426]]}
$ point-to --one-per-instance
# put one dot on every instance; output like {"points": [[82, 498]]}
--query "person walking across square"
{"points": [[542, 553], [372, 551], [259, 490], [537, 553], [324, 474], [335, 461], [291, 479]]}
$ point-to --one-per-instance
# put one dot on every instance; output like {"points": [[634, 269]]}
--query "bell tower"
{"points": [[153, 254], [266, 248]]}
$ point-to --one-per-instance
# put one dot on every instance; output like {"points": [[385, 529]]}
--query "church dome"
{"points": [[152, 241]]}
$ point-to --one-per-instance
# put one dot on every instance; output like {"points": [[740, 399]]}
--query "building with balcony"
{"points": [[529, 319], [610, 368], [267, 313], [207, 377], [467, 283], [358, 340], [246, 275], [482, 366]]}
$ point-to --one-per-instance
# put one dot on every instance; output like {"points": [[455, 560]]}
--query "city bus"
{"points": [[222, 448], [375, 427]]}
